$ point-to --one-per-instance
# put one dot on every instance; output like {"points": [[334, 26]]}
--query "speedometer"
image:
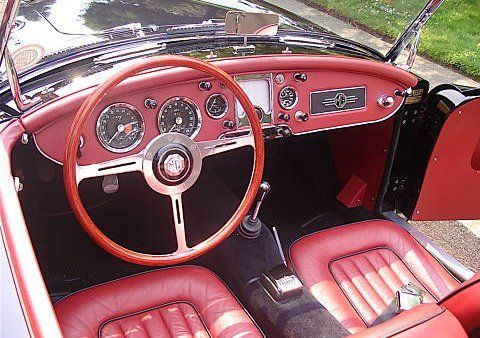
{"points": [[180, 115], [120, 127]]}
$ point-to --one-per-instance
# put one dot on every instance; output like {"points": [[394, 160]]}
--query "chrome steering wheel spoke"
{"points": [[117, 166], [177, 209], [209, 148]]}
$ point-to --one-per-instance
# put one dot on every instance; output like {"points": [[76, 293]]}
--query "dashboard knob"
{"points": [[284, 117], [300, 116], [403, 93], [229, 124], [284, 132], [386, 101], [300, 77], [205, 85], [151, 103]]}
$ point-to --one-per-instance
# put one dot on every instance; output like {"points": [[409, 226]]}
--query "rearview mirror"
{"points": [[243, 23]]}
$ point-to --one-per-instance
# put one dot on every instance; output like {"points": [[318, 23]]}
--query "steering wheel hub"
{"points": [[172, 164]]}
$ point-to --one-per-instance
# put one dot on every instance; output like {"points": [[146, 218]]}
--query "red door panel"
{"points": [[451, 187]]}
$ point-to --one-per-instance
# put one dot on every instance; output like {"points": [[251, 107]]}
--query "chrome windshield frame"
{"points": [[10, 9], [411, 35]]}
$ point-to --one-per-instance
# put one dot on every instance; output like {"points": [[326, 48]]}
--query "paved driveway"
{"points": [[455, 238]]}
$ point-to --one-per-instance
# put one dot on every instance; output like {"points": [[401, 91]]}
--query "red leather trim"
{"points": [[464, 303], [452, 180], [362, 151], [424, 320], [384, 273], [312, 255], [83, 313], [324, 73], [172, 319]]}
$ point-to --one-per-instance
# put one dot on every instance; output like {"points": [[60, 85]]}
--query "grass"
{"points": [[452, 36]]}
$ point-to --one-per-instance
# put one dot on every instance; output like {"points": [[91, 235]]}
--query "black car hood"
{"points": [[88, 16]]}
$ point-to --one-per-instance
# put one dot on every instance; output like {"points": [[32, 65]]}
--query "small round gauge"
{"points": [[180, 115], [288, 97], [259, 112], [216, 106], [120, 127]]}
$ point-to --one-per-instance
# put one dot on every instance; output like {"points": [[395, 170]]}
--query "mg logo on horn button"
{"points": [[174, 164]]}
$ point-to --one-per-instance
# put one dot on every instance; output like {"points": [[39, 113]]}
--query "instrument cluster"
{"points": [[330, 93], [120, 126]]}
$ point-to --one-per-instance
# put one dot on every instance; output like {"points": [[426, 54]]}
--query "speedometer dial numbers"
{"points": [[120, 127], [179, 115]]}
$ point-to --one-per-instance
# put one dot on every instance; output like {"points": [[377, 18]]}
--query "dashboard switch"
{"points": [[229, 124], [403, 93], [302, 77], [386, 101], [300, 116], [205, 85], [284, 117], [150, 103], [284, 132]]}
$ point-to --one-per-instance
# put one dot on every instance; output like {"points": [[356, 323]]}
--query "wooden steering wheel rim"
{"points": [[70, 164]]}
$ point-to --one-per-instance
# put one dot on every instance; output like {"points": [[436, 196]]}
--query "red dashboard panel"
{"points": [[51, 122]]}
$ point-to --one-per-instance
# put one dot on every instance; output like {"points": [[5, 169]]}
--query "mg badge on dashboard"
{"points": [[340, 100]]}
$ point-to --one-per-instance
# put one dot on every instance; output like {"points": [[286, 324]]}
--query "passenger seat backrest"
{"points": [[464, 303]]}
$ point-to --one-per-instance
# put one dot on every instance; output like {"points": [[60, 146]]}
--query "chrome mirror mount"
{"points": [[411, 36]]}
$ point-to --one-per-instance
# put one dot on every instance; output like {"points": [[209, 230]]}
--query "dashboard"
{"points": [[292, 95]]}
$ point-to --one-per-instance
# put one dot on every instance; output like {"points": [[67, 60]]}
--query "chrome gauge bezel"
{"points": [[133, 145], [226, 106], [189, 101], [280, 95]]}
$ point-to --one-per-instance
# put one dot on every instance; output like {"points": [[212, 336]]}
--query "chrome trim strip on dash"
{"points": [[333, 106]]}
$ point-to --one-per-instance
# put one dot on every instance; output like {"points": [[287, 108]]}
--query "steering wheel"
{"points": [[171, 163]]}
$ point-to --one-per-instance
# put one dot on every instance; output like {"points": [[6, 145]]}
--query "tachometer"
{"points": [[180, 115], [120, 127], [288, 97]]}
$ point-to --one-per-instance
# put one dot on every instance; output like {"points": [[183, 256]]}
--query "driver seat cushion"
{"points": [[355, 270], [185, 301]]}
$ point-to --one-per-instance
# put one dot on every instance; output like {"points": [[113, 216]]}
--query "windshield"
{"points": [[50, 27], [47, 27]]}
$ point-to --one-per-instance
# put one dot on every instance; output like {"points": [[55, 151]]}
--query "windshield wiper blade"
{"points": [[130, 53], [322, 43], [204, 27], [137, 30], [129, 30]]}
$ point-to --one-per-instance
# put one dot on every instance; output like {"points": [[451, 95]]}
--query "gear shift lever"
{"points": [[251, 225], [263, 191]]}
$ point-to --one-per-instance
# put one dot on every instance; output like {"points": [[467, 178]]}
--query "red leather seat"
{"points": [[184, 301], [354, 270]]}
